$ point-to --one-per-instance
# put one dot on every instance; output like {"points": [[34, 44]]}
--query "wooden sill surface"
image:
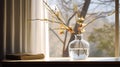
{"points": [[67, 59]]}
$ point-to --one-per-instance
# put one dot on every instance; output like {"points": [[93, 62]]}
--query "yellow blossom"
{"points": [[80, 20]]}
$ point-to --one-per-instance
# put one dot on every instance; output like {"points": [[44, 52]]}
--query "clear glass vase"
{"points": [[78, 48]]}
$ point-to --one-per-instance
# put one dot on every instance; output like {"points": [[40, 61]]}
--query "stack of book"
{"points": [[24, 56]]}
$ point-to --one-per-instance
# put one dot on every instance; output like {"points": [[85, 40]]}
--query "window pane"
{"points": [[99, 32]]}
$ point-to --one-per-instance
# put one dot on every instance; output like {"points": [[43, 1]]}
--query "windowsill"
{"points": [[66, 59]]}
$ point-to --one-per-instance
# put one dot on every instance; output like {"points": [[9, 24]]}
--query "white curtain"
{"points": [[39, 29], [21, 35]]}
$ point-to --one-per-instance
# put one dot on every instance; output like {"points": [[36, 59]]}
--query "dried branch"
{"points": [[68, 25], [53, 12], [62, 22]]}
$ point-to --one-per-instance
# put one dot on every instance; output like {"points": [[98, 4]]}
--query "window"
{"points": [[102, 33], [41, 36]]}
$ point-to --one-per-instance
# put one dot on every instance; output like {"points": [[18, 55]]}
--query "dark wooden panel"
{"points": [[1, 27]]}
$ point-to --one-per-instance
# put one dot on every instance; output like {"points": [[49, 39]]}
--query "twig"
{"points": [[80, 42], [62, 17], [45, 20], [56, 35], [92, 21], [71, 17]]}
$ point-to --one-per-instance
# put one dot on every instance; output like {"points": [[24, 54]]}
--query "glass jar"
{"points": [[78, 48]]}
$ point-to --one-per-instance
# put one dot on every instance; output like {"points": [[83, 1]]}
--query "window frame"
{"points": [[46, 49]]}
